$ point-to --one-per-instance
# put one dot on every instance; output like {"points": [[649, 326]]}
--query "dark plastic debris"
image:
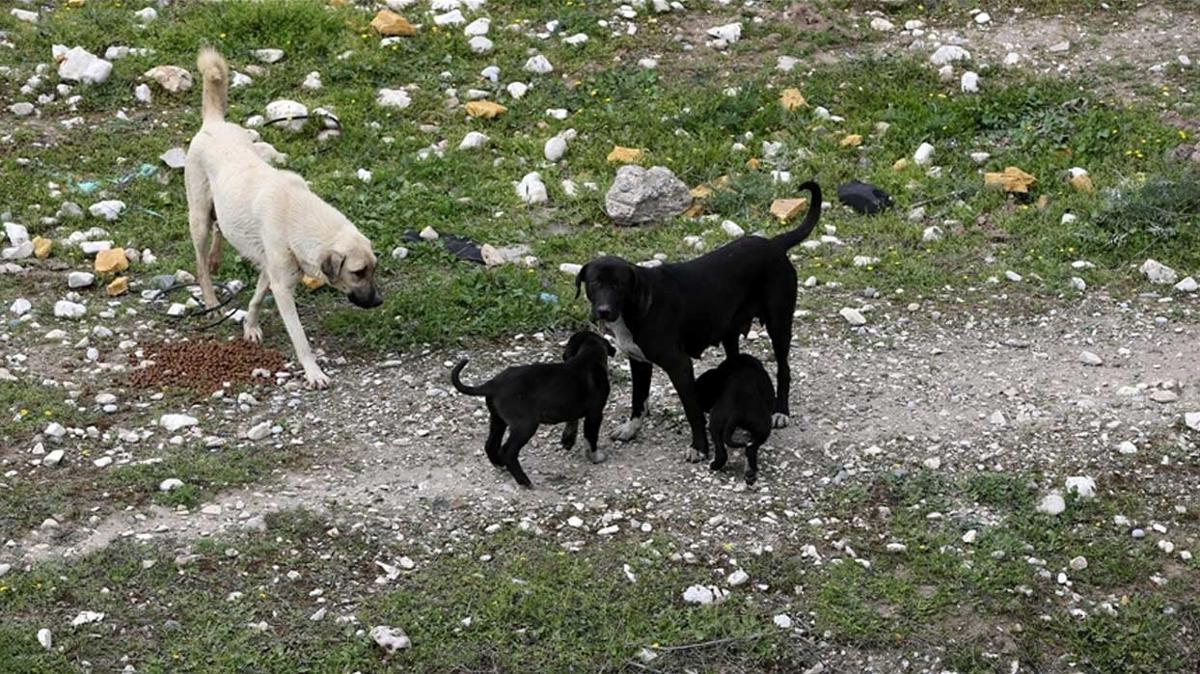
{"points": [[864, 197], [459, 246]]}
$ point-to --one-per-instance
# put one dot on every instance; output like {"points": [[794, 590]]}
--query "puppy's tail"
{"points": [[215, 74], [789, 239], [463, 388]]}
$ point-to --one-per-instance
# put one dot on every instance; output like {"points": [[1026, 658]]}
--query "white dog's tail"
{"points": [[215, 74]]}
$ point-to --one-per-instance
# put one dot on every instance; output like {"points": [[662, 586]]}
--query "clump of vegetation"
{"points": [[1159, 213]]}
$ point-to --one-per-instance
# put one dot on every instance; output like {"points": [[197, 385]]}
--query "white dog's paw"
{"points": [[779, 420], [628, 430], [317, 379], [252, 333], [597, 457], [693, 456]]}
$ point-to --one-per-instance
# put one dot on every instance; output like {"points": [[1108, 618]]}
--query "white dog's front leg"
{"points": [[287, 311], [251, 330]]}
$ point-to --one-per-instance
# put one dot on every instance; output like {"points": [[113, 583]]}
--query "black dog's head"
{"points": [[588, 343], [613, 287]]}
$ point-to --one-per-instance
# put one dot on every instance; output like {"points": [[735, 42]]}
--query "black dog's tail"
{"points": [[789, 239], [463, 388]]}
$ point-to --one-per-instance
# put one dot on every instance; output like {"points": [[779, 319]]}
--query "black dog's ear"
{"points": [[641, 291], [331, 266], [579, 279]]}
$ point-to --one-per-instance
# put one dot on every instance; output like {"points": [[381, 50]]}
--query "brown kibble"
{"points": [[202, 366]]}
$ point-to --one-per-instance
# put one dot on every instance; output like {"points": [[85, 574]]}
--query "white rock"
{"points": [[53, 458], [970, 537], [970, 82], [982, 18], [1127, 448], [479, 26], [268, 55], [480, 45], [517, 89], [393, 98], [1059, 47], [923, 155], [997, 419], [554, 148], [170, 484], [109, 209], [729, 33], [391, 639], [947, 54], [171, 78], [70, 310], [46, 638], [20, 306], [429, 234], [698, 594], [284, 109], [1158, 273], [80, 279], [1078, 563], [864, 261], [531, 189], [1013, 276], [1192, 420], [1089, 358], [86, 618], [932, 233], [896, 548], [1187, 285], [142, 93], [21, 109], [882, 25], [474, 140], [259, 431], [538, 64], [783, 621], [1052, 504], [24, 15], [312, 81], [737, 578], [399, 253], [175, 422], [1012, 58], [852, 316], [732, 229], [80, 65], [1083, 486], [452, 18], [786, 63], [980, 157]]}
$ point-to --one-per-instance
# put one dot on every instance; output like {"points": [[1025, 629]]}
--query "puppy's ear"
{"points": [[579, 279], [331, 266]]}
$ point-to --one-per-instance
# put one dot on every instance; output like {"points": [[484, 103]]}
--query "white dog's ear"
{"points": [[331, 266]]}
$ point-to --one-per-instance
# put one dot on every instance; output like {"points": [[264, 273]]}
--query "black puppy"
{"points": [[522, 397], [737, 397], [668, 315]]}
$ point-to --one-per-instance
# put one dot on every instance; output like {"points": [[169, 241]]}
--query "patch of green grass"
{"points": [[533, 607], [26, 408], [1152, 216]]}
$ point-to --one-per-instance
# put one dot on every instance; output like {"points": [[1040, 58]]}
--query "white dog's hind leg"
{"points": [[199, 198], [291, 320], [251, 330], [628, 430]]}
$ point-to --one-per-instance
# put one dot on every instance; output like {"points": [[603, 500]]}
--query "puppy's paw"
{"points": [[716, 465], [628, 430], [317, 379], [693, 455], [779, 420], [252, 333], [597, 456], [751, 477]]}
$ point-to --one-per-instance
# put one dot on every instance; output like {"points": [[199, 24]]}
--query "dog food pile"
{"points": [[204, 366]]}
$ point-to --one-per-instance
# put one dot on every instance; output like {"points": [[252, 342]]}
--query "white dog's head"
{"points": [[349, 266]]}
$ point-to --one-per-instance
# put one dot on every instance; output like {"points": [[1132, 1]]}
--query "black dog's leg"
{"points": [[640, 373], [495, 435], [752, 461], [780, 331], [684, 380], [591, 433], [719, 454], [730, 342], [570, 431], [518, 436]]}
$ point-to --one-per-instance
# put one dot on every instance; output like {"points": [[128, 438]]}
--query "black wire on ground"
{"points": [[224, 294]]}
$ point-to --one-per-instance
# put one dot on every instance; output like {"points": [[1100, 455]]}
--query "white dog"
{"points": [[271, 218]]}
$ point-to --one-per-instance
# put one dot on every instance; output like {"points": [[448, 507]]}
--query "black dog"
{"points": [[523, 397], [737, 396], [668, 315]]}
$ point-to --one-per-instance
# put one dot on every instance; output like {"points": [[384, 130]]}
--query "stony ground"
{"points": [[995, 471]]}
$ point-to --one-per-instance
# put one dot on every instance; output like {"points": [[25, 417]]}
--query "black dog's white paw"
{"points": [[694, 456], [628, 430], [597, 457], [779, 420]]}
